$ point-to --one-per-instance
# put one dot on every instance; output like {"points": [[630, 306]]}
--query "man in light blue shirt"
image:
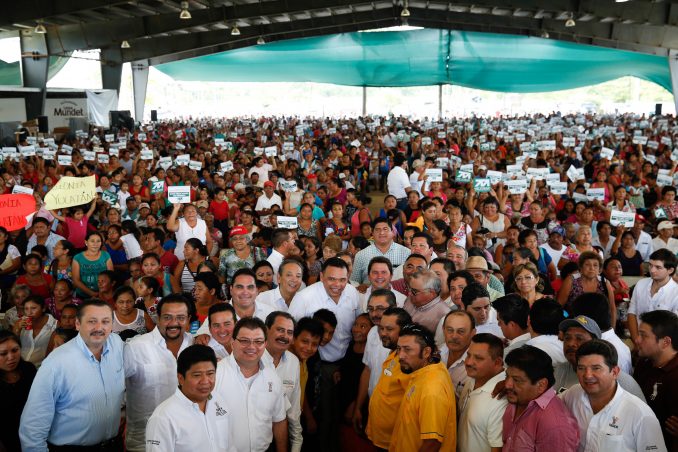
{"points": [[78, 391]]}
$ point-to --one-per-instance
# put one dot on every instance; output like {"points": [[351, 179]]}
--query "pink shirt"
{"points": [[546, 424], [77, 230]]}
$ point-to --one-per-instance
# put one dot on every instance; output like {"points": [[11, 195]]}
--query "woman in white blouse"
{"points": [[34, 327]]}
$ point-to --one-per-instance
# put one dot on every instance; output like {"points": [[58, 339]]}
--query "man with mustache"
{"points": [[280, 336], [459, 327], [76, 396], [151, 366], [535, 417]]}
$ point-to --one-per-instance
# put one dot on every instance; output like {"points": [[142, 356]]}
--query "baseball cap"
{"points": [[640, 218], [144, 205], [665, 225], [238, 230], [268, 183], [581, 321]]}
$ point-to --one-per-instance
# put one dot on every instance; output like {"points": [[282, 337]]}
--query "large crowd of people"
{"points": [[364, 284]]}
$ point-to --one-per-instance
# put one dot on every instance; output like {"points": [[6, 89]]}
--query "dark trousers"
{"points": [[401, 203], [111, 445]]}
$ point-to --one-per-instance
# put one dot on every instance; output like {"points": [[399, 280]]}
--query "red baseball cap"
{"points": [[640, 218], [311, 176], [238, 230], [268, 183]]}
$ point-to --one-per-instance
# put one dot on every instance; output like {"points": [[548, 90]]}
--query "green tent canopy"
{"points": [[10, 73], [495, 62]]}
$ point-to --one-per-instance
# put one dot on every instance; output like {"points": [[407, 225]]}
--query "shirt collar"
{"points": [[522, 337], [543, 400], [87, 351], [185, 401], [430, 305]]}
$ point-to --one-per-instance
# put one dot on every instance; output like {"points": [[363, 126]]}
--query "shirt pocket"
{"points": [[613, 443]]}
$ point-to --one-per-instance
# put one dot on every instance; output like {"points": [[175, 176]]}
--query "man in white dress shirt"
{"points": [[333, 293], [290, 281], [659, 291], [281, 241], [459, 328], [221, 319], [480, 415], [151, 366], [243, 299], [512, 314], [252, 391], [280, 336], [609, 418], [544, 325], [380, 274], [476, 300], [193, 418], [375, 352]]}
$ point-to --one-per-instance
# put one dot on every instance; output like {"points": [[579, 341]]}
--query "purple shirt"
{"points": [[546, 424]]}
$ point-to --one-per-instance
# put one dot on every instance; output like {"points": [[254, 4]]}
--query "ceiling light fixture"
{"points": [[405, 12], [261, 41], [570, 22], [40, 28], [185, 13], [235, 31], [125, 44]]}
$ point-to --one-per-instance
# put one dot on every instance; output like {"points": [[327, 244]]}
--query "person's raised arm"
{"points": [[92, 208], [617, 240], [57, 216], [172, 222]]}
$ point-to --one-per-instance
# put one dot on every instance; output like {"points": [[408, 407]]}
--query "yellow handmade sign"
{"points": [[71, 191]]}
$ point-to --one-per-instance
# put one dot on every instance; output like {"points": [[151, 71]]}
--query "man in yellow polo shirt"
{"points": [[427, 418], [386, 397]]}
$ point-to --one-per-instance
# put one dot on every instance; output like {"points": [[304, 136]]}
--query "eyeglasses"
{"points": [[416, 292], [377, 309], [249, 342], [524, 278], [168, 318]]}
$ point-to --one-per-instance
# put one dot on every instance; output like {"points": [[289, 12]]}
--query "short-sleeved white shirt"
{"points": [[397, 181], [178, 425], [480, 418], [624, 424], [255, 406], [289, 372], [666, 297], [550, 344]]}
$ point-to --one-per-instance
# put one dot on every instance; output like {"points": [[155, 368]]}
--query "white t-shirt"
{"points": [[555, 254], [262, 171], [186, 232], [397, 182]]}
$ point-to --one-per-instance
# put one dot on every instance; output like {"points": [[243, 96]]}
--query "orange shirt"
{"points": [[385, 401], [426, 412]]}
